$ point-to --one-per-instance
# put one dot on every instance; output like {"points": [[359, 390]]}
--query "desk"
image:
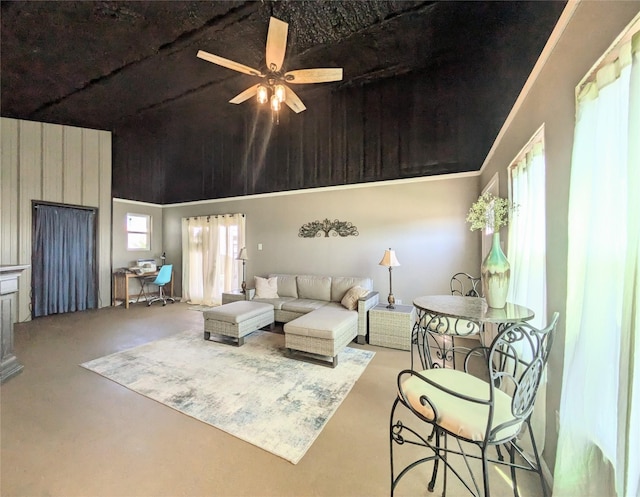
{"points": [[121, 286], [450, 316]]}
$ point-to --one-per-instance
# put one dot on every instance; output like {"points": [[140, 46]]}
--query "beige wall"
{"points": [[52, 163], [423, 221], [584, 32], [126, 258]]}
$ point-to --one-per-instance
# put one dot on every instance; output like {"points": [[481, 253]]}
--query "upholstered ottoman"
{"points": [[323, 332], [237, 319]]}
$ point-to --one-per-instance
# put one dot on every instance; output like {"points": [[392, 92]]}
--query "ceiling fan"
{"points": [[275, 89]]}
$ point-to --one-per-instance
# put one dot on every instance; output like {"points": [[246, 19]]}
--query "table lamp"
{"points": [[389, 260], [242, 256]]}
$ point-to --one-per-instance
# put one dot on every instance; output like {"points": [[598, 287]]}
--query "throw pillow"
{"points": [[350, 299], [266, 288]]}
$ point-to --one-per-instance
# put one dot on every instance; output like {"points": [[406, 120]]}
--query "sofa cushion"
{"points": [[276, 303], [266, 288], [341, 284], [286, 285], [314, 287], [350, 299], [237, 312], [303, 305], [327, 323]]}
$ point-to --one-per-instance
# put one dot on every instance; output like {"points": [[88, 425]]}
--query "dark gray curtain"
{"points": [[63, 260]]}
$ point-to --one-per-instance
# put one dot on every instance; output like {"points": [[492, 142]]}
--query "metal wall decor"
{"points": [[334, 228]]}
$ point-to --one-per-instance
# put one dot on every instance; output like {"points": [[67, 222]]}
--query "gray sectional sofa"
{"points": [[316, 322], [301, 294]]}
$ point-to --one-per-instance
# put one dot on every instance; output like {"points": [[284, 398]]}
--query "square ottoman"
{"points": [[237, 319]]}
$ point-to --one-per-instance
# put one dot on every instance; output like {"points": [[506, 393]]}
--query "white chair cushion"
{"points": [[456, 415]]}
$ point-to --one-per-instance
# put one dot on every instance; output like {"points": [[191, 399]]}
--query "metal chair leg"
{"points": [[485, 472], [514, 480], [432, 483], [537, 457]]}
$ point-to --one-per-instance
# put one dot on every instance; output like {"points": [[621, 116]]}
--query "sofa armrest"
{"points": [[364, 304]]}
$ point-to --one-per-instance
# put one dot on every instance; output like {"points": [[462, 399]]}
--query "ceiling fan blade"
{"points": [[245, 95], [229, 64], [293, 101], [314, 75], [276, 43]]}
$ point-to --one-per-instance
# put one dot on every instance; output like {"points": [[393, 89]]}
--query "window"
{"points": [[599, 441], [138, 232], [527, 229], [210, 247]]}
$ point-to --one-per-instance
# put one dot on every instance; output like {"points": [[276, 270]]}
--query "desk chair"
{"points": [[476, 412], [164, 277]]}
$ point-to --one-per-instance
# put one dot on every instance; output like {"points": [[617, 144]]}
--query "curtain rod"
{"points": [[38, 203], [208, 216]]}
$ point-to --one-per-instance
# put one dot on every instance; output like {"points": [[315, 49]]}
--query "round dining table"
{"points": [[443, 318]]}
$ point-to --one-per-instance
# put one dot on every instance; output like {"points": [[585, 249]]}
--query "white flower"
{"points": [[490, 212]]}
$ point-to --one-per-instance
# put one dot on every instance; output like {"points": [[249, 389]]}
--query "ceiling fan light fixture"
{"points": [[275, 103], [280, 93], [274, 90], [263, 94]]}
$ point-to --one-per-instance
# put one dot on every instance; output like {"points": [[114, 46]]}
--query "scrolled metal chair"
{"points": [[478, 411], [442, 331], [465, 285]]}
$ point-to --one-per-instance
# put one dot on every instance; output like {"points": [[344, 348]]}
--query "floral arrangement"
{"points": [[489, 212]]}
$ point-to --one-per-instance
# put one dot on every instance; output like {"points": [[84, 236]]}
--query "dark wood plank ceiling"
{"points": [[426, 87]]}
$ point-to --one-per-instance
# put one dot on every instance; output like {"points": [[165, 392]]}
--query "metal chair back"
{"points": [[465, 285]]}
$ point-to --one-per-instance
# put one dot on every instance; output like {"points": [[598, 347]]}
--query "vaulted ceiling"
{"points": [[123, 65]]}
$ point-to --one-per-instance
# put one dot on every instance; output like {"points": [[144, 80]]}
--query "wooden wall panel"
{"points": [[90, 165], [72, 168], [104, 217], [35, 167], [52, 161], [9, 191], [29, 166]]}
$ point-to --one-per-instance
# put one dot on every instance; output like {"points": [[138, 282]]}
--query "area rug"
{"points": [[201, 308], [254, 392]]}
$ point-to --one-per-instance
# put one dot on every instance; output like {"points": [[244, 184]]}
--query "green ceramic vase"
{"points": [[495, 271]]}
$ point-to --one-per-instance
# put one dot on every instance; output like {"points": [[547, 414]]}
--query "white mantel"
{"points": [[9, 274]]}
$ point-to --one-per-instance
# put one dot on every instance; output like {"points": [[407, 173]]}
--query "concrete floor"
{"points": [[66, 431]]}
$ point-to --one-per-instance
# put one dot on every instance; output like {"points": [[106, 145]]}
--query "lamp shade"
{"points": [[389, 259], [242, 256]]}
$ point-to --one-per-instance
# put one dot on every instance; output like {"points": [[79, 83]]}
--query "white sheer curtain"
{"points": [[599, 441], [527, 252], [527, 233], [210, 245]]}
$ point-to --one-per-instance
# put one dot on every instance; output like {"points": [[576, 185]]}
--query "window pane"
{"points": [[137, 223], [137, 241]]}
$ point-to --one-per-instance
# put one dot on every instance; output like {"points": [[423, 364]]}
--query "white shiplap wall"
{"points": [[52, 163]]}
